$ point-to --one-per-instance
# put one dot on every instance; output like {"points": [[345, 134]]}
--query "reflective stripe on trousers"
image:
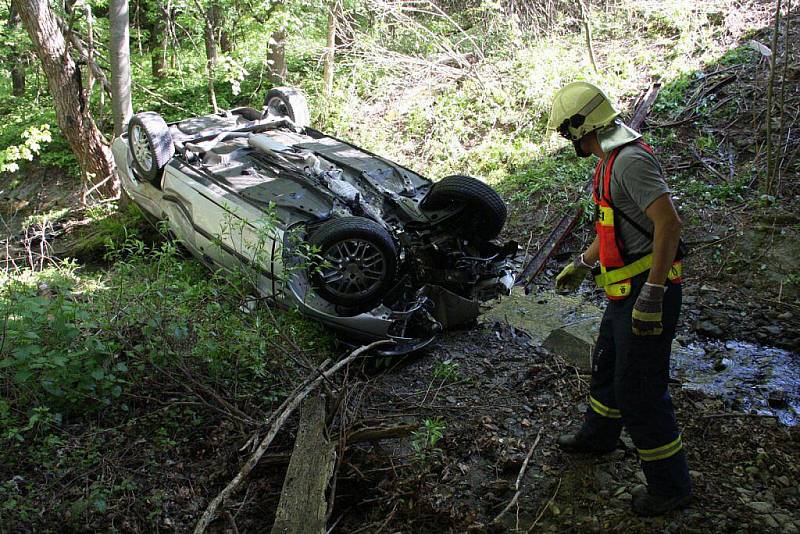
{"points": [[630, 387]]}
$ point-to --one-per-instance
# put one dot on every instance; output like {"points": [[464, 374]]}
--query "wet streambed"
{"points": [[748, 377]]}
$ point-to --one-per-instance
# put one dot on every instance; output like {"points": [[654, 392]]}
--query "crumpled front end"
{"points": [[415, 314]]}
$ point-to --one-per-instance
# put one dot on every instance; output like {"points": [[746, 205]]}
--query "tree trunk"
{"points": [[330, 49], [18, 63], [588, 29], [768, 181], [89, 51], [277, 57], [159, 39], [221, 35], [64, 80], [225, 41], [211, 51], [119, 45]]}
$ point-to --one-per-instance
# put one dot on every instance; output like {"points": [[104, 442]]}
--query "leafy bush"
{"points": [[53, 352], [32, 139]]}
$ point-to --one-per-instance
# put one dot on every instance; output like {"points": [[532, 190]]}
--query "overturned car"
{"points": [[349, 238]]}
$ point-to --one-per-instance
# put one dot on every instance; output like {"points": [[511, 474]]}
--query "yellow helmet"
{"points": [[580, 108]]}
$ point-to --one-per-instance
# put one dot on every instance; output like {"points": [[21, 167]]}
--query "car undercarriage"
{"points": [[347, 237]]}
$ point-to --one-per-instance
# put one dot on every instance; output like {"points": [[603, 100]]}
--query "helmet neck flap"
{"points": [[615, 135]]}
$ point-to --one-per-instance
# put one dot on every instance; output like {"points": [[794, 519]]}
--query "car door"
{"points": [[219, 226]]}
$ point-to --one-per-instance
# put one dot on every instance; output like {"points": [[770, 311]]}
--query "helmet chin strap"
{"points": [[579, 149]]}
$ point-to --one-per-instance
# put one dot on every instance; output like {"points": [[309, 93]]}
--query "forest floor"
{"points": [[484, 398]]}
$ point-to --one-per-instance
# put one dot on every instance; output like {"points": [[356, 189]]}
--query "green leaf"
{"points": [[23, 375], [25, 351], [100, 504]]}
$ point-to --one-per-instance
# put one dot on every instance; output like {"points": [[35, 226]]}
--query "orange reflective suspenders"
{"points": [[615, 276]]}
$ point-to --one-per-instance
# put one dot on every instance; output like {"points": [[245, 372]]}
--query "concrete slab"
{"points": [[564, 324]]}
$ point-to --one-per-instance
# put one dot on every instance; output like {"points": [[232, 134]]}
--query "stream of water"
{"points": [[748, 377]]}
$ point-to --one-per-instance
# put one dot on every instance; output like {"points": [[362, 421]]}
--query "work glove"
{"points": [[646, 316], [572, 275]]}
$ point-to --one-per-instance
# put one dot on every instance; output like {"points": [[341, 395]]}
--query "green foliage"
{"points": [[446, 370], [708, 192], [26, 133], [43, 218], [424, 440], [32, 139], [52, 352], [75, 342]]}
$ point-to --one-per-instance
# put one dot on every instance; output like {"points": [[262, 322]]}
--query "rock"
{"points": [[707, 327], [760, 507], [602, 477], [770, 522], [575, 345], [785, 316], [783, 480], [774, 330], [777, 399]]}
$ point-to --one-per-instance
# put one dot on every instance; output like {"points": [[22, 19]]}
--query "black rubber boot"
{"points": [[579, 443], [646, 504]]}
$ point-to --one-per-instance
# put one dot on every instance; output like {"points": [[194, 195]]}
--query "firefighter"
{"points": [[635, 257]]}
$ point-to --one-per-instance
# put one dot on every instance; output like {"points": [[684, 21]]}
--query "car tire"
{"points": [[487, 211], [288, 102], [359, 262], [150, 145]]}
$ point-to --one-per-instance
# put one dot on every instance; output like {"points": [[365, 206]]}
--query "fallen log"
{"points": [[554, 239], [568, 222], [380, 432], [643, 105], [361, 435], [303, 506], [275, 422]]}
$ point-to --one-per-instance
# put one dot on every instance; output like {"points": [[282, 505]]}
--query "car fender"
{"points": [[143, 193]]}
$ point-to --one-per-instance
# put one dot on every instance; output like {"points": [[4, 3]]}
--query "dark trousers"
{"points": [[630, 374]]}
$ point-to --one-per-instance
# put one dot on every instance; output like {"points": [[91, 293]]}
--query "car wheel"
{"points": [[359, 262], [287, 102], [150, 143], [487, 211]]}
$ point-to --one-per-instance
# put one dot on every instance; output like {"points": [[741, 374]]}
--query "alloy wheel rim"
{"points": [[353, 268], [141, 147], [276, 107]]}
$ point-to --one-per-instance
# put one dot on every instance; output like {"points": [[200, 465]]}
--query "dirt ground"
{"points": [[505, 396], [487, 397]]}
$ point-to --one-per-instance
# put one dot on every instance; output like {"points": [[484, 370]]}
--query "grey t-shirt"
{"points": [[636, 181]]}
